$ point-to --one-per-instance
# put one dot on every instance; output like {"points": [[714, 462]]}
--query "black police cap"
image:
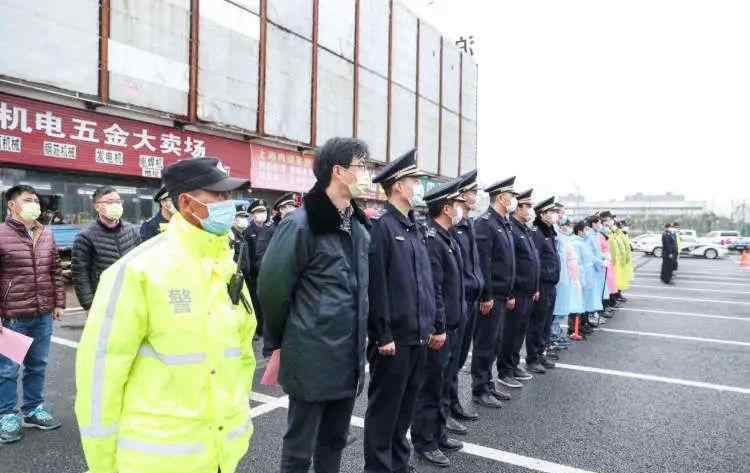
{"points": [[404, 166], [207, 174], [501, 187], [545, 205], [468, 182], [290, 198], [161, 194], [257, 205], [444, 192]]}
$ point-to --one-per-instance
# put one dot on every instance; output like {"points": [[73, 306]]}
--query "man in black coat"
{"points": [[429, 430], [313, 287], [668, 253], [464, 234], [498, 262], [540, 319], [525, 294], [100, 244], [255, 233], [402, 318], [155, 225]]}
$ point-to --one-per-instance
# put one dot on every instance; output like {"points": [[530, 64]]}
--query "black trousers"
{"points": [[433, 402], [253, 289], [316, 430], [550, 319], [540, 317], [489, 329], [514, 332], [667, 268], [467, 336], [392, 394]]}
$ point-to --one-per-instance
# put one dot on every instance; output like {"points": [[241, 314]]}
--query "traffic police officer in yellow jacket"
{"points": [[165, 365]]}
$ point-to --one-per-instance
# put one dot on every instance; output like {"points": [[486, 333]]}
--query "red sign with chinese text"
{"points": [[35, 133], [274, 168]]}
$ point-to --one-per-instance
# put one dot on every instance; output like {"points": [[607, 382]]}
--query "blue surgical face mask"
{"points": [[605, 231], [220, 216]]}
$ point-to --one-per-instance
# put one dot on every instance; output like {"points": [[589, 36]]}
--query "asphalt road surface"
{"points": [[665, 387]]}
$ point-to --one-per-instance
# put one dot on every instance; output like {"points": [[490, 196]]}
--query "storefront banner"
{"points": [[34, 133], [274, 168]]}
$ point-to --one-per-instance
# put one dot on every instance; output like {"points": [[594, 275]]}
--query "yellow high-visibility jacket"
{"points": [[622, 262], [165, 365]]}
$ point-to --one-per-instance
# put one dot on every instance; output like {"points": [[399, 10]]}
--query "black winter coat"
{"points": [[312, 287], [496, 256], [95, 249], [527, 260], [402, 296], [466, 238], [152, 227], [544, 240], [447, 275]]}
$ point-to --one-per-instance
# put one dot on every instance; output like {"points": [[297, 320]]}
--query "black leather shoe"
{"points": [[487, 400], [546, 363], [522, 374], [435, 457], [455, 427], [535, 367], [451, 445], [500, 395], [460, 413]]}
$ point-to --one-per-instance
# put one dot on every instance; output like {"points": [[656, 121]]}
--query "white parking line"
{"points": [[694, 289], [65, 342], [674, 337], [686, 314], [648, 377], [684, 299], [271, 403], [696, 276], [694, 281]]}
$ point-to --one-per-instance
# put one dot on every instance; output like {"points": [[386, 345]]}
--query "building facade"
{"points": [[112, 91]]}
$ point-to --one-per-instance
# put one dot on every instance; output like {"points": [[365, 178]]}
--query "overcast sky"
{"points": [[608, 96]]}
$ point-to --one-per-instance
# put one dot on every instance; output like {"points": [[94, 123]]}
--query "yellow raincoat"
{"points": [[165, 365], [621, 258]]}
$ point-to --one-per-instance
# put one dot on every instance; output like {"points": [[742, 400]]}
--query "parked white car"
{"points": [[691, 246], [721, 237]]}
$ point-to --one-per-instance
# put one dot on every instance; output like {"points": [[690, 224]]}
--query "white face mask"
{"points": [[458, 215], [513, 205], [417, 195], [29, 211], [260, 218], [532, 216], [242, 223], [113, 211]]}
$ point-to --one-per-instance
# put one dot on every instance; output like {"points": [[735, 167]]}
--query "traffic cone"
{"points": [[744, 259], [577, 330]]}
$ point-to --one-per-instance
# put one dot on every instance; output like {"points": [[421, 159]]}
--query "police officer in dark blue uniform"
{"points": [[401, 320], [428, 431], [463, 233], [153, 226], [497, 260], [256, 232], [540, 321], [525, 293]]}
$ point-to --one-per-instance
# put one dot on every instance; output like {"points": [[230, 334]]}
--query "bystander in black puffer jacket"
{"points": [[95, 249]]}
